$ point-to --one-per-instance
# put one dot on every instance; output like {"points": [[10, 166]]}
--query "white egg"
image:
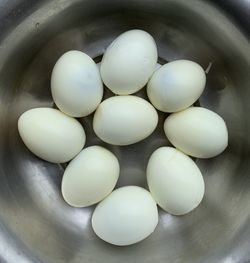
{"points": [[76, 84], [90, 176], [197, 131], [128, 215], [176, 85], [175, 181], [98, 65], [158, 65], [51, 134], [124, 120], [129, 62]]}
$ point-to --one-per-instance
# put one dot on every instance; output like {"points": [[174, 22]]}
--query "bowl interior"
{"points": [[37, 225]]}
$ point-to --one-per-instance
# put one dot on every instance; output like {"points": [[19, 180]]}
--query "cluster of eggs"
{"points": [[128, 214]]}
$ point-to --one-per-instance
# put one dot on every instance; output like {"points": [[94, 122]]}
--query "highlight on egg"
{"points": [[125, 217], [90, 176], [176, 85], [51, 135], [76, 84], [175, 181], [124, 120], [129, 62], [197, 131]]}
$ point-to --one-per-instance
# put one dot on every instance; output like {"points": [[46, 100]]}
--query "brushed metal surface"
{"points": [[36, 225]]}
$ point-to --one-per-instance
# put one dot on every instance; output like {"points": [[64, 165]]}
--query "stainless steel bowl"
{"points": [[36, 225]]}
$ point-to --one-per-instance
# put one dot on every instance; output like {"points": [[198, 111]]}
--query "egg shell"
{"points": [[90, 176], [197, 131], [51, 134], [175, 181], [129, 62], [128, 215], [158, 65], [176, 85], [124, 120], [76, 84]]}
